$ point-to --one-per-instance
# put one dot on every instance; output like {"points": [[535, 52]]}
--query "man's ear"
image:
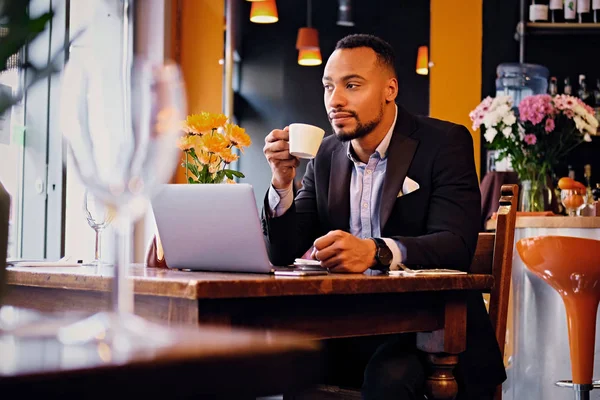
{"points": [[391, 91]]}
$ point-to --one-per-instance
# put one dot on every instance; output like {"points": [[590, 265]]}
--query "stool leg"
{"points": [[582, 392], [581, 317]]}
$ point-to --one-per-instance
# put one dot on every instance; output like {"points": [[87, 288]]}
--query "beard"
{"points": [[361, 130]]}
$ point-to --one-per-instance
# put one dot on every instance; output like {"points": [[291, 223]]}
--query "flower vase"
{"points": [[535, 196]]}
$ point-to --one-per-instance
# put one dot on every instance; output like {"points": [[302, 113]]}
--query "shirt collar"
{"points": [[382, 149]]}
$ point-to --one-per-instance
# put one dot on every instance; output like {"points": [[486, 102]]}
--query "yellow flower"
{"points": [[185, 143], [202, 123], [213, 143], [230, 181], [228, 156], [237, 136], [213, 168]]}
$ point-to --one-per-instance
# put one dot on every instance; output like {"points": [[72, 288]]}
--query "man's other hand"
{"points": [[340, 251]]}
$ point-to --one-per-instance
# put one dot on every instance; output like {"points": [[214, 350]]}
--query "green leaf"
{"points": [[231, 173], [190, 179]]}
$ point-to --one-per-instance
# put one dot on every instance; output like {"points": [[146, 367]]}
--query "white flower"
{"points": [[501, 100], [507, 131], [490, 134], [579, 123], [509, 119], [521, 132], [587, 137]]}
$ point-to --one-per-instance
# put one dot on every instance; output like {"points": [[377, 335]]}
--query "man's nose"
{"points": [[336, 100]]}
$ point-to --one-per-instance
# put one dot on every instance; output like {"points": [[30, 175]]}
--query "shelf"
{"points": [[564, 28]]}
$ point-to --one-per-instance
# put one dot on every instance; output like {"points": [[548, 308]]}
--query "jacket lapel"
{"points": [[400, 154], [339, 189]]}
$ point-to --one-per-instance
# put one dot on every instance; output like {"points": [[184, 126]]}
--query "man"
{"points": [[387, 188]]}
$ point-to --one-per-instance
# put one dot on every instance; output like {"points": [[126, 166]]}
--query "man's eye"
{"points": [[327, 87], [351, 86]]}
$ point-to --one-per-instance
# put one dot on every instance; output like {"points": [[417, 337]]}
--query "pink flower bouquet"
{"points": [[538, 135]]}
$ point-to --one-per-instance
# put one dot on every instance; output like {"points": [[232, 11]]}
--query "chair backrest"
{"points": [[494, 254]]}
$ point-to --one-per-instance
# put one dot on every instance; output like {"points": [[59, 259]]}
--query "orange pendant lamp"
{"points": [[423, 61], [264, 12], [307, 42]]}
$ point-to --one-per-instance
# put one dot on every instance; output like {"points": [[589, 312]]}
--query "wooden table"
{"points": [[201, 362], [330, 306]]}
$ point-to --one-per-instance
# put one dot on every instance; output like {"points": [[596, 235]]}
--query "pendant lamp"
{"points": [[264, 12]]}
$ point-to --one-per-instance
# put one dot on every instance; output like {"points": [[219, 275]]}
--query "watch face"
{"points": [[385, 255]]}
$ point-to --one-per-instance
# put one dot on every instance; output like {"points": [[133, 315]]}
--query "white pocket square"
{"points": [[408, 186]]}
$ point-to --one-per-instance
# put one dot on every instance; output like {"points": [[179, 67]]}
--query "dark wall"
{"points": [[275, 91], [564, 55]]}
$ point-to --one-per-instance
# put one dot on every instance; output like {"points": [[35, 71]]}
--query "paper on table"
{"points": [[423, 272]]}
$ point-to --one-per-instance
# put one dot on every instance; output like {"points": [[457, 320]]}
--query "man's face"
{"points": [[355, 86]]}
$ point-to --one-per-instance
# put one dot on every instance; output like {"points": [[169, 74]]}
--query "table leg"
{"points": [[441, 384]]}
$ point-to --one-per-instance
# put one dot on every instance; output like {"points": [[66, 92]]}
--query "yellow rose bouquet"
{"points": [[209, 147]]}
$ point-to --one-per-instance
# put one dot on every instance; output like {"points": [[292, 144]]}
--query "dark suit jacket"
{"points": [[438, 223]]}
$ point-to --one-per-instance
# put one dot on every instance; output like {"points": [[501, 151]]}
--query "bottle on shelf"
{"points": [[583, 92], [553, 87], [596, 11], [583, 11], [571, 173], [556, 11], [570, 10], [596, 192], [568, 89], [587, 174], [538, 11], [590, 206]]}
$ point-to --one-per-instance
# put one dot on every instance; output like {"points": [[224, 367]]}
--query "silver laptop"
{"points": [[211, 228], [216, 228]]}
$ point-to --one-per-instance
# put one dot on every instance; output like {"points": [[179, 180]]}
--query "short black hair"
{"points": [[383, 50]]}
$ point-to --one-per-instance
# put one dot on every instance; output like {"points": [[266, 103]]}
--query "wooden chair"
{"points": [[493, 255]]}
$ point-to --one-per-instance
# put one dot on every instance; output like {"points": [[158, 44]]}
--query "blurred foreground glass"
{"points": [[121, 121]]}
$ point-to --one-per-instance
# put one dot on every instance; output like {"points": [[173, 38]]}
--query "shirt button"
{"points": [[369, 171], [365, 205]]}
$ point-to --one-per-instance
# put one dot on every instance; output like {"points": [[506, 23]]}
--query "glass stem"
{"points": [[97, 249], [122, 291]]}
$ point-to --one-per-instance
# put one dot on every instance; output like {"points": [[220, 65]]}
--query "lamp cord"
{"points": [[308, 13]]}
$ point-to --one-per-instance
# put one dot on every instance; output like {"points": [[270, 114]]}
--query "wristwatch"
{"points": [[383, 255]]}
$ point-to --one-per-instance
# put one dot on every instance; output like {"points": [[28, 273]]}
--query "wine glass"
{"points": [[98, 218], [121, 121], [574, 200]]}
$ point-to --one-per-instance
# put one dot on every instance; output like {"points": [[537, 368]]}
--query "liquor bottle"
{"points": [[590, 208], [556, 11], [596, 10], [583, 93], [570, 10], [571, 172], [538, 11], [587, 174], [596, 192], [568, 90], [553, 87], [583, 11]]}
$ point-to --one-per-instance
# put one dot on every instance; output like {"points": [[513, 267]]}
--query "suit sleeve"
{"points": [[291, 234], [454, 208]]}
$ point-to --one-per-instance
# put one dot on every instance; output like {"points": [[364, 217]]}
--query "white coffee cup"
{"points": [[305, 140]]}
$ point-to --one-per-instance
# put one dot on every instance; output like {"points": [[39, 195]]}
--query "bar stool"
{"points": [[572, 267]]}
